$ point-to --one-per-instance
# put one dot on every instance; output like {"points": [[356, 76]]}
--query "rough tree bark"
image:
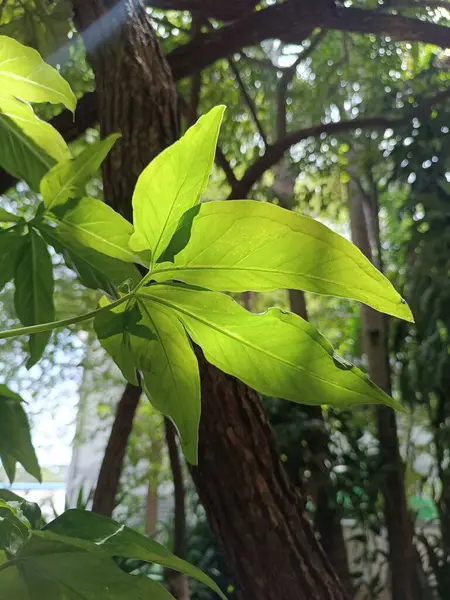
{"points": [[254, 512], [375, 343]]}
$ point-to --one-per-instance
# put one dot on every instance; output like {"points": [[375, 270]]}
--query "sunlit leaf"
{"points": [[244, 245], [67, 179], [29, 147], [172, 183], [96, 225], [25, 75], [277, 353]]}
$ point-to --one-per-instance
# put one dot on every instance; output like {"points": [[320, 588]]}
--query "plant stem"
{"points": [[42, 327]]}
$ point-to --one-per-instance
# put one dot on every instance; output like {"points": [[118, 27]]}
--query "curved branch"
{"points": [[275, 152]]}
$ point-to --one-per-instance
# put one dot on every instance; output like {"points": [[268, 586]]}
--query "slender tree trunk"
{"points": [[177, 582], [375, 343], [255, 514], [104, 500]]}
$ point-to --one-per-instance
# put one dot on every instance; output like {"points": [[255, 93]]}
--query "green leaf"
{"points": [[243, 245], [7, 217], [33, 298], [118, 540], [170, 373], [67, 179], [15, 439], [153, 341], [25, 75], [53, 567], [30, 510], [95, 270], [276, 353], [112, 329], [172, 183], [29, 147], [11, 244], [96, 225]]}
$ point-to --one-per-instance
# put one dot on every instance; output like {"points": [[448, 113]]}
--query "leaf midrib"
{"points": [[247, 343], [176, 269]]}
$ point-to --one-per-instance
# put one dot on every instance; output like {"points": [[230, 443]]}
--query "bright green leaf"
{"points": [[11, 244], [170, 373], [25, 75], [96, 225], [95, 270], [154, 342], [30, 510], [67, 179], [33, 298], [15, 439], [243, 245], [117, 540], [29, 147], [53, 567], [113, 331], [172, 183], [276, 353]]}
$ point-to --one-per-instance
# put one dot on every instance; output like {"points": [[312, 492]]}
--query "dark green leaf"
{"points": [[11, 244], [52, 567], [33, 298], [117, 540], [15, 439]]}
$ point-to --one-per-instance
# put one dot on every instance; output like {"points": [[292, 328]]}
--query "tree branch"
{"points": [[247, 99], [223, 163], [275, 152]]}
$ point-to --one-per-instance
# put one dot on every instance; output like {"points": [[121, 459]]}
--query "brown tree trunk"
{"points": [[256, 516], [375, 343], [327, 518], [176, 581], [104, 500]]}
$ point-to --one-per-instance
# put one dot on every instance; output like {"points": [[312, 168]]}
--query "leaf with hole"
{"points": [[172, 183], [242, 245], [276, 353]]}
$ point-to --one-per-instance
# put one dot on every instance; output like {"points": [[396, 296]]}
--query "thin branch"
{"points": [[223, 163], [247, 99], [275, 152]]}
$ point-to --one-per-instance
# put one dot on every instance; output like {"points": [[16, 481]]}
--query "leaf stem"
{"points": [[42, 327]]}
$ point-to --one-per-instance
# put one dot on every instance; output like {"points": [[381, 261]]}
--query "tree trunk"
{"points": [[176, 581], [104, 500], [256, 516], [327, 519], [375, 343]]}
